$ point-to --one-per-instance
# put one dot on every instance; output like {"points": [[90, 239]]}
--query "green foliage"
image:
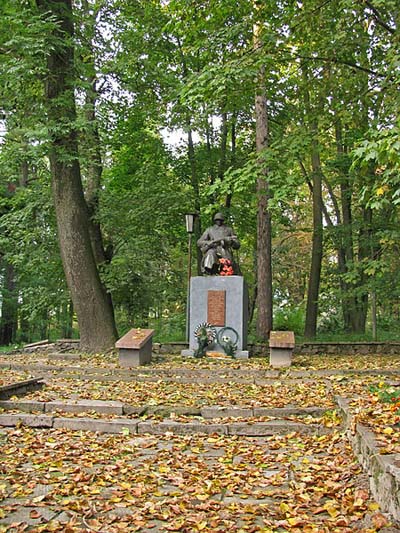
{"points": [[289, 319], [388, 394], [191, 66]]}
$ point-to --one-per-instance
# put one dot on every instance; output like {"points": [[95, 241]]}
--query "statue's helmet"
{"points": [[219, 216]]}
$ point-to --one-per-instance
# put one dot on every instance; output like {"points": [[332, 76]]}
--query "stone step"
{"points": [[138, 426], [119, 408], [20, 388]]}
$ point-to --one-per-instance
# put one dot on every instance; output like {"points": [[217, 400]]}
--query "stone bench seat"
{"points": [[135, 347], [281, 346]]}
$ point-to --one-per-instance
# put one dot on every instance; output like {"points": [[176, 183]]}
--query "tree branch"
{"points": [[341, 62], [378, 18]]}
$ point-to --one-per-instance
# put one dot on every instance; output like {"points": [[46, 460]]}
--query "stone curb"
{"points": [[118, 408], [96, 425], [226, 375], [33, 421], [80, 406], [21, 387], [383, 470], [157, 428]]}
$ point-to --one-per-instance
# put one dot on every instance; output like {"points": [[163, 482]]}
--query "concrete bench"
{"points": [[135, 347], [281, 345]]}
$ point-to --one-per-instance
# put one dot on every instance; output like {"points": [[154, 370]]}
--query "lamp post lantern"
{"points": [[190, 218]]}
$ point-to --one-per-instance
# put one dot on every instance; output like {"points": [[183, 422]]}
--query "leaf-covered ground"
{"points": [[276, 394], [7, 377], [70, 481], [169, 362], [60, 480]]}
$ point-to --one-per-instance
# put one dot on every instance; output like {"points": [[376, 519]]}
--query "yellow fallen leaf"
{"points": [[388, 431], [294, 521], [284, 507], [331, 509], [373, 506]]}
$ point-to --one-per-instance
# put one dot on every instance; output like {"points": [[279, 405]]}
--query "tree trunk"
{"points": [[95, 317], [264, 241], [228, 200], [196, 190], [223, 146], [317, 240], [91, 142], [9, 305]]}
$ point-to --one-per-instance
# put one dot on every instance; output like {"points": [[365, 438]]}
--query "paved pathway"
{"points": [[300, 477]]}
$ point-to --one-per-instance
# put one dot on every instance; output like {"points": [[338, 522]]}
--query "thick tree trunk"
{"points": [[92, 306], [264, 241]]}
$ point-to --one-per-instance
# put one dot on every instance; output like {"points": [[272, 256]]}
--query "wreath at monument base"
{"points": [[228, 338], [205, 334]]}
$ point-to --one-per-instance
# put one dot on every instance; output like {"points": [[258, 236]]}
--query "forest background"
{"points": [[283, 114]]}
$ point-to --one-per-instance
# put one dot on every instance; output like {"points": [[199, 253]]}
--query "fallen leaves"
{"points": [[186, 483], [111, 483]]}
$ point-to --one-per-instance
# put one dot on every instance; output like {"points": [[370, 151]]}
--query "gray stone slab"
{"points": [[161, 428], [80, 406], [267, 428], [134, 409], [289, 411], [280, 357], [236, 305], [167, 410], [96, 425], [63, 357], [217, 411], [20, 388], [23, 515], [28, 406], [33, 421]]}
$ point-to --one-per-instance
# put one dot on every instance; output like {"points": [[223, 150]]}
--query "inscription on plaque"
{"points": [[216, 308]]}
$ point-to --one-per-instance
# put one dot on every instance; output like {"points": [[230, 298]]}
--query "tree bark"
{"points": [[91, 139], [9, 306], [264, 240], [95, 317], [345, 248], [195, 185], [310, 329]]}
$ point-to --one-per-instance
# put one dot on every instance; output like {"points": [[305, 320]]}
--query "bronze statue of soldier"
{"points": [[216, 244]]}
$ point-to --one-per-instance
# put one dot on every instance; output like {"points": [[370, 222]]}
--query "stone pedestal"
{"points": [[223, 302], [281, 345], [135, 347]]}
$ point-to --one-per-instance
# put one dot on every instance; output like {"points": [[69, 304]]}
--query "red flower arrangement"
{"points": [[225, 267]]}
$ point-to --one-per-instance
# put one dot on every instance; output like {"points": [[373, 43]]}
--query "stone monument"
{"points": [[218, 301]]}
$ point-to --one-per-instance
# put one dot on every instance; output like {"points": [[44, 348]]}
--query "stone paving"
{"points": [[78, 464]]}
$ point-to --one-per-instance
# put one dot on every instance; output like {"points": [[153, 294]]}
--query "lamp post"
{"points": [[190, 217]]}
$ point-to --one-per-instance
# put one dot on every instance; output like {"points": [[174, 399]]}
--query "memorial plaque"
{"points": [[216, 308]]}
